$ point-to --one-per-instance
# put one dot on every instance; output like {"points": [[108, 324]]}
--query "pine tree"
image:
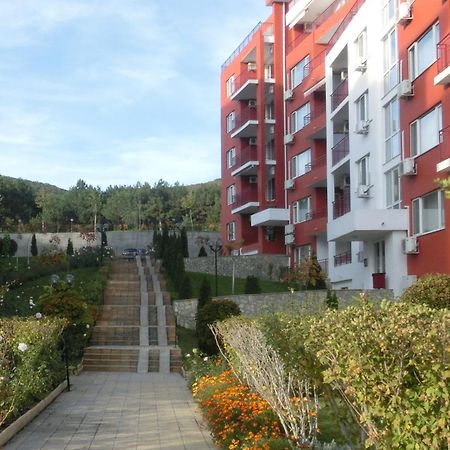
{"points": [[202, 252], [34, 249], [184, 243], [185, 290], [69, 250], [204, 294]]}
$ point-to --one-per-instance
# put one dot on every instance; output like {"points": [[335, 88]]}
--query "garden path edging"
{"points": [[9, 432]]}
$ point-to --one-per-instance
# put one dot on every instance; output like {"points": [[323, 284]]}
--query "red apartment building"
{"points": [[296, 149]]}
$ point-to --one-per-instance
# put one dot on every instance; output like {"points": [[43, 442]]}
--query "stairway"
{"points": [[135, 330]]}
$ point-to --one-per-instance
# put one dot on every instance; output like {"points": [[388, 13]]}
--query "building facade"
{"points": [[341, 115]]}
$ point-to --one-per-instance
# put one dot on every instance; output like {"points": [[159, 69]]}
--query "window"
{"points": [[231, 121], [300, 118], [390, 61], [299, 72], [380, 257], [269, 233], [423, 53], [270, 189], [301, 164], [362, 112], [428, 213], [302, 252], [301, 210], [363, 171], [389, 11], [231, 194], [393, 199], [361, 47], [231, 86], [231, 157], [424, 131], [392, 129], [231, 231]]}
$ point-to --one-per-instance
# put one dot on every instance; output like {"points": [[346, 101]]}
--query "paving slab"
{"points": [[107, 410]]}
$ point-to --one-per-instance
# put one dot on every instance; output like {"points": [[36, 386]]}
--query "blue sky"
{"points": [[115, 91]]}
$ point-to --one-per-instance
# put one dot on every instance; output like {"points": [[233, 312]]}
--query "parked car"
{"points": [[130, 253], [143, 252]]}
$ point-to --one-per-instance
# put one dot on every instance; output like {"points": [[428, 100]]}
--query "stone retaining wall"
{"points": [[258, 304]]}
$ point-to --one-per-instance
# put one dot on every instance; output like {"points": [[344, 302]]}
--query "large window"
{"points": [[231, 231], [231, 157], [362, 112], [231, 85], [363, 171], [231, 194], [392, 129], [299, 72], [302, 252], [425, 131], [300, 118], [428, 213], [423, 53], [389, 11], [390, 61], [361, 47], [270, 190], [231, 121], [393, 199], [301, 164], [301, 210]]}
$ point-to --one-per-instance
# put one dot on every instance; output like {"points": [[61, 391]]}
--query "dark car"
{"points": [[130, 253]]}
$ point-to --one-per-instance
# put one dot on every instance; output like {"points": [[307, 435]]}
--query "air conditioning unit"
{"points": [[289, 239], [252, 141], [289, 138], [345, 127], [251, 66], [272, 129], [289, 184], [408, 166], [405, 89], [344, 75], [308, 27], [253, 179], [289, 229], [288, 94], [251, 103], [363, 191], [362, 65], [271, 89], [345, 182], [364, 127], [410, 245], [404, 12]]}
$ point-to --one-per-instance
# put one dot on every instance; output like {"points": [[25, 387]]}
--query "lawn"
{"points": [[187, 340], [224, 285]]}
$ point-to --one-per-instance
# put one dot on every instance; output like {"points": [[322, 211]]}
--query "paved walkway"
{"points": [[118, 411]]}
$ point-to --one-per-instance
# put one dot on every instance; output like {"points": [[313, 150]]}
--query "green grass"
{"points": [[224, 285], [187, 340]]}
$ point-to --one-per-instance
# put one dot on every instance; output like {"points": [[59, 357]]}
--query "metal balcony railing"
{"points": [[245, 116], [339, 94], [243, 78], [318, 214], [340, 150], [341, 204], [343, 258], [246, 196], [245, 155], [443, 51]]}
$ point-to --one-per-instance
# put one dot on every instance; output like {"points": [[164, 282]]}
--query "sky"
{"points": [[115, 91]]}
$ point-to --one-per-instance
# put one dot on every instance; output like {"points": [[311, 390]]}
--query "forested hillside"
{"points": [[29, 206]]}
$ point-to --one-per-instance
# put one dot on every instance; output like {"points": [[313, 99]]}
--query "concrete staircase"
{"points": [[135, 330]]}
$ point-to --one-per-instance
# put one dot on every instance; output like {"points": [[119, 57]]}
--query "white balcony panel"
{"points": [[247, 130], [306, 11], [443, 77], [367, 224], [248, 168], [246, 208], [247, 91], [270, 217], [443, 166]]}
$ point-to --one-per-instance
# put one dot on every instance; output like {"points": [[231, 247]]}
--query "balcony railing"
{"points": [[245, 155], [314, 114], [339, 94], [443, 50], [340, 150], [245, 116], [311, 69], [246, 196], [343, 258], [341, 204], [313, 215], [243, 78], [318, 162], [444, 140]]}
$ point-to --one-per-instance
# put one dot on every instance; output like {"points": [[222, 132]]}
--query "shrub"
{"points": [[204, 294], [34, 249], [185, 290], [202, 252], [8, 246], [331, 300], [252, 285], [308, 275], [210, 313], [432, 289], [69, 249]]}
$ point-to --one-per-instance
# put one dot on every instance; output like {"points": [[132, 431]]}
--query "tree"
{"points": [[69, 250], [34, 249], [202, 252], [184, 243], [185, 290], [204, 294]]}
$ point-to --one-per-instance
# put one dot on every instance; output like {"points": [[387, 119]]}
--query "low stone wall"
{"points": [[265, 267], [259, 304]]}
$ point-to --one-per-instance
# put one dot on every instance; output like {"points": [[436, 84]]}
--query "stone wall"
{"points": [[259, 304], [265, 267]]}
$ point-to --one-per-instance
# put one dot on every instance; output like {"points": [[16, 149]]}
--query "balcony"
{"points": [[364, 224], [340, 150], [316, 223], [443, 61], [341, 204], [317, 123], [306, 11], [317, 173], [339, 94], [444, 139], [270, 217], [246, 202], [246, 124], [342, 258], [245, 86], [314, 73], [246, 162]]}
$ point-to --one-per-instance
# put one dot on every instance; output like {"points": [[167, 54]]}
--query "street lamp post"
{"points": [[216, 248], [71, 223]]}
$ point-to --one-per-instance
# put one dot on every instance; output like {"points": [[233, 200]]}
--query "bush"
{"points": [[8, 246], [331, 300], [30, 363], [210, 313], [204, 294], [69, 249], [202, 252], [432, 289], [252, 285], [185, 290]]}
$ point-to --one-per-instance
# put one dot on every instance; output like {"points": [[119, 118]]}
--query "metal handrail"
{"points": [[339, 94], [443, 51], [340, 150], [343, 258], [341, 204]]}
